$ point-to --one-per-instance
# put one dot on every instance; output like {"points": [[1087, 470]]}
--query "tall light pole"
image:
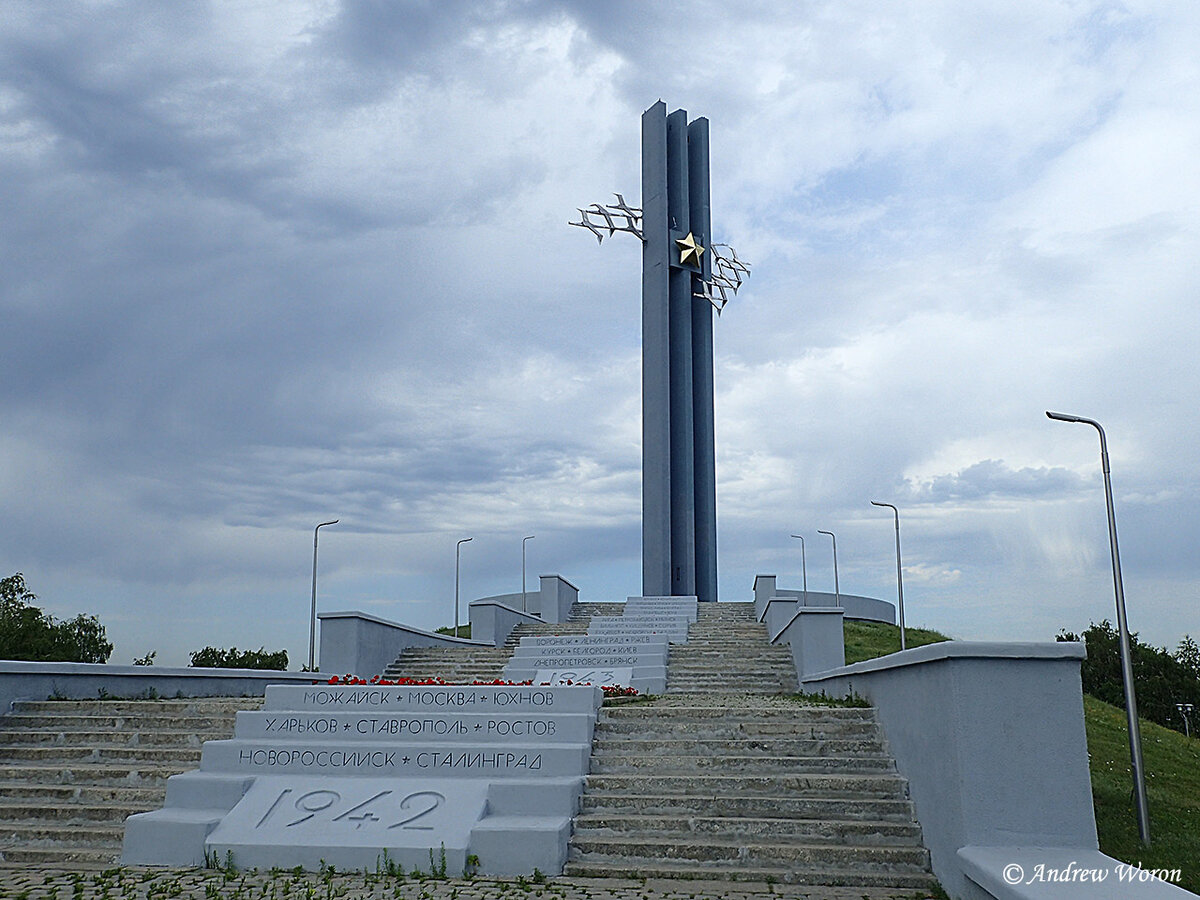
{"points": [[837, 591], [1185, 710], [523, 540], [312, 619], [803, 567], [1135, 732], [899, 577], [457, 554]]}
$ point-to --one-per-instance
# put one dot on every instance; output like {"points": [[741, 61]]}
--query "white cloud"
{"points": [[283, 261]]}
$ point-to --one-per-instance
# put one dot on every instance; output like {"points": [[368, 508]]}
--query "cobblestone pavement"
{"points": [[142, 883]]}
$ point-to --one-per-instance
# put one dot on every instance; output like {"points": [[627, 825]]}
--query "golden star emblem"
{"points": [[689, 251]]}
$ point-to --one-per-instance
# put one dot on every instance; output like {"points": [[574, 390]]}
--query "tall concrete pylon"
{"points": [[679, 494]]}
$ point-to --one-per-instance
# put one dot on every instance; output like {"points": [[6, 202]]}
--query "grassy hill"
{"points": [[867, 640], [1172, 764]]}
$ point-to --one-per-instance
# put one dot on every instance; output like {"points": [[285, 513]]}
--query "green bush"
{"points": [[233, 658], [28, 633]]}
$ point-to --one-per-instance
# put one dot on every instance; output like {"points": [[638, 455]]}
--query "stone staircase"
{"points": [[747, 787], [455, 665], [464, 665], [71, 771], [727, 651]]}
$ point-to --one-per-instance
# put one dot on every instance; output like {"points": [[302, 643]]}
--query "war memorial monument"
{"points": [[515, 753]]}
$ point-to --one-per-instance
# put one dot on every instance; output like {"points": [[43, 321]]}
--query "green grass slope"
{"points": [[867, 640], [1172, 764]]}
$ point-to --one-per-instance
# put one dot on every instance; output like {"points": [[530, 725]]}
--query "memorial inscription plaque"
{"points": [[346, 775]]}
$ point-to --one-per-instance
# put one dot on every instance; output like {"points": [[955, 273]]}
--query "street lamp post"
{"points": [[1185, 710], [312, 619], [523, 540], [899, 577], [803, 567], [837, 591], [1135, 733], [457, 554]]}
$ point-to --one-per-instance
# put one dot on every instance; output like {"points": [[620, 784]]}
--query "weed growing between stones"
{"points": [[851, 701]]}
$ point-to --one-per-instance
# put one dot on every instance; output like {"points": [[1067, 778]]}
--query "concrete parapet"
{"points": [[816, 638], [991, 739], [492, 620], [86, 681], [355, 643]]}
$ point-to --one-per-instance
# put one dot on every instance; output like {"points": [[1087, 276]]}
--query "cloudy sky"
{"points": [[268, 263]]}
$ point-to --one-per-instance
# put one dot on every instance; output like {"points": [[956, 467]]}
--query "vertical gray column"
{"points": [[679, 527], [704, 449], [656, 405], [683, 483]]}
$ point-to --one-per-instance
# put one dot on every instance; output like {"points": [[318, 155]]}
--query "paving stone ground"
{"points": [[145, 883]]}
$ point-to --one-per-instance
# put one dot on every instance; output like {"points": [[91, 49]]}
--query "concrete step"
{"points": [[865, 885], [726, 764], [761, 806], [93, 774], [12, 810], [605, 745], [199, 706], [132, 722], [780, 686], [68, 754], [715, 730], [78, 858], [859, 832], [731, 851], [888, 786], [73, 834], [665, 713], [59, 794], [475, 654], [748, 670], [67, 737]]}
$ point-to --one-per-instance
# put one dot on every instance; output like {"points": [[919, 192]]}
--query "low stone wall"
{"points": [[551, 602], [816, 639], [355, 643], [785, 601], [492, 620], [991, 739], [92, 681]]}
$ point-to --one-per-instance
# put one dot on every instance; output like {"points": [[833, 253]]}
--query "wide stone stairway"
{"points": [[727, 650], [71, 771], [727, 777], [745, 786], [467, 664]]}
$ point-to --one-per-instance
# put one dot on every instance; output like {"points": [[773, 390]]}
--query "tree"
{"points": [[28, 633], [1160, 679], [1188, 655]]}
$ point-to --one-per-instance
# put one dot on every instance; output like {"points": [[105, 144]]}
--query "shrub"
{"points": [[233, 658]]}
